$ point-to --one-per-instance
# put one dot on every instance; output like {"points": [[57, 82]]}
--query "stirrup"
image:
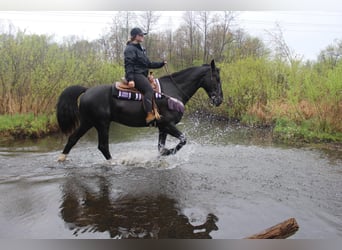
{"points": [[150, 118], [152, 123]]}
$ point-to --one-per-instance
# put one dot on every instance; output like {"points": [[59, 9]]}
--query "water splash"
{"points": [[140, 158]]}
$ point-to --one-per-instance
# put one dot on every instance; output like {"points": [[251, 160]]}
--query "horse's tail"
{"points": [[68, 115]]}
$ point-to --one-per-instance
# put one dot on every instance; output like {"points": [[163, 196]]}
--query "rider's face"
{"points": [[139, 38]]}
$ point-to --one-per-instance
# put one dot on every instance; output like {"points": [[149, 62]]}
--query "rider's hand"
{"points": [[165, 62], [131, 84]]}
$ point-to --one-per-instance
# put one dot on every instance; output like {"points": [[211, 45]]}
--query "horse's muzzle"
{"points": [[216, 100]]}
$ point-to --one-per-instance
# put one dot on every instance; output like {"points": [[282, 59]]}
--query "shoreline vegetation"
{"points": [[27, 126], [264, 87], [30, 126]]}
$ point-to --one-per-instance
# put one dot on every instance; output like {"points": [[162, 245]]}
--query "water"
{"points": [[227, 182]]}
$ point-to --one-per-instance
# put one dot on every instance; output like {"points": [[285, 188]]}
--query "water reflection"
{"points": [[127, 216]]}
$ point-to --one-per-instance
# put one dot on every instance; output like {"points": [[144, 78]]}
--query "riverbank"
{"points": [[30, 126], [280, 132], [23, 126]]}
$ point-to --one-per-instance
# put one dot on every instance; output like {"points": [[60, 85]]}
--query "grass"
{"points": [[27, 125], [306, 131]]}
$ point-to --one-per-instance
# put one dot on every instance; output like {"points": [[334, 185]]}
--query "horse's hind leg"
{"points": [[73, 139], [172, 130], [103, 134]]}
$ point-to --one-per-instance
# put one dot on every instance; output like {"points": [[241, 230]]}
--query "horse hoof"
{"points": [[165, 152], [62, 158], [111, 162]]}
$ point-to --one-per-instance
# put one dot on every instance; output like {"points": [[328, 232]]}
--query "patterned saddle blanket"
{"points": [[122, 91]]}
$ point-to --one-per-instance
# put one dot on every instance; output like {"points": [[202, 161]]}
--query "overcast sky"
{"points": [[306, 32]]}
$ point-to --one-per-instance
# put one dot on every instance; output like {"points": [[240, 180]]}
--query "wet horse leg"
{"points": [[173, 131], [103, 134], [162, 141], [73, 139]]}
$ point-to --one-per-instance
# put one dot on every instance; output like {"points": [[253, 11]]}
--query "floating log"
{"points": [[282, 230]]}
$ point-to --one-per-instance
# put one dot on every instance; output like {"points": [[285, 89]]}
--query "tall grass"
{"points": [[301, 101], [34, 70], [27, 125]]}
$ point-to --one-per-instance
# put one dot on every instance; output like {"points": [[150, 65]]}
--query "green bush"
{"points": [[27, 125], [302, 101]]}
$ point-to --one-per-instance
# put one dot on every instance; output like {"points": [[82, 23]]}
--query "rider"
{"points": [[136, 69]]}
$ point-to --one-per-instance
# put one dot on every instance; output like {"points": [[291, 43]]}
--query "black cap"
{"points": [[137, 31]]}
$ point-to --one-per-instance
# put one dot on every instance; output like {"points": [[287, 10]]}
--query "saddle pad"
{"points": [[131, 93]]}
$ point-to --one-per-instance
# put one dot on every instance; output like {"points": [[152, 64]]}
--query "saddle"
{"points": [[123, 85], [123, 91]]}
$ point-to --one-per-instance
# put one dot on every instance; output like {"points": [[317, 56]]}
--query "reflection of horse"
{"points": [[98, 108], [151, 217]]}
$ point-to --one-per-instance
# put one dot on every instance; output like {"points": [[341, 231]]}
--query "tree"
{"points": [[204, 24], [221, 34], [332, 54], [169, 44], [147, 21], [282, 50], [190, 30], [114, 42], [243, 45]]}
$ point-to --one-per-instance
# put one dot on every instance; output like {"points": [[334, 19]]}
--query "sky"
{"points": [[305, 32]]}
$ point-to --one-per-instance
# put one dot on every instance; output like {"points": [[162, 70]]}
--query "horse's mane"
{"points": [[184, 71]]}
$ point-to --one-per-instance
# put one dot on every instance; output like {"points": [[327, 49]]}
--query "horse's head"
{"points": [[212, 84]]}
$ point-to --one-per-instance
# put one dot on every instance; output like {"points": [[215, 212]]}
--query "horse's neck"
{"points": [[187, 82]]}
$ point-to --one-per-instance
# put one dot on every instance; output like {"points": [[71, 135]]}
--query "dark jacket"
{"points": [[136, 61]]}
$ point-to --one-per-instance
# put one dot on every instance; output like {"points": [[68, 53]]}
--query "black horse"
{"points": [[97, 108]]}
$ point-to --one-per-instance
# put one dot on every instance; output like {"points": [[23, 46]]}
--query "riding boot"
{"points": [[150, 117]]}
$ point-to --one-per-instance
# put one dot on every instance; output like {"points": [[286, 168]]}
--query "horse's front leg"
{"points": [[161, 142], [171, 130]]}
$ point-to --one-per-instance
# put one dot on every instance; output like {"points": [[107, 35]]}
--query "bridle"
{"points": [[166, 67], [194, 98]]}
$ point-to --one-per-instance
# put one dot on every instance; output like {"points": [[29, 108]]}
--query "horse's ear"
{"points": [[212, 64]]}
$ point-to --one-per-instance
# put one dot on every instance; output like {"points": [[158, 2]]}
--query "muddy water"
{"points": [[227, 182]]}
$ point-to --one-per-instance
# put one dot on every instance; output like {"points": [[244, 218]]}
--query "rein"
{"points": [[195, 99], [166, 67]]}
